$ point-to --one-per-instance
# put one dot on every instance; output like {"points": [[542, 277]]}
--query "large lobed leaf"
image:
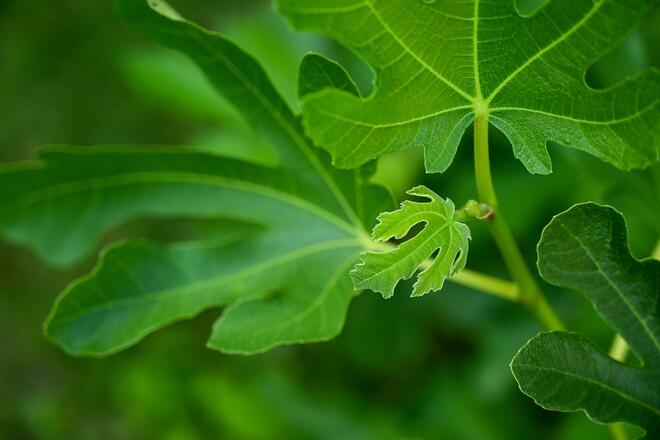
{"points": [[438, 64], [380, 271], [287, 282], [586, 249]]}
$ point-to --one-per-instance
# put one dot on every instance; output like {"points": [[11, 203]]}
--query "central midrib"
{"points": [[407, 257], [289, 129], [475, 50], [595, 382], [73, 187], [209, 283], [616, 288]]}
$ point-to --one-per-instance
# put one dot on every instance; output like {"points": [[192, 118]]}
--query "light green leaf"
{"points": [[309, 304], [61, 204], [138, 288], [380, 271], [242, 81], [439, 64], [311, 220], [585, 248]]}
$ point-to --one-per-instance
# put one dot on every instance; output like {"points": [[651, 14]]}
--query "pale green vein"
{"points": [[475, 50], [359, 146], [70, 188], [405, 258], [417, 58], [413, 217], [616, 288], [318, 301], [578, 120], [547, 48], [593, 382], [201, 285], [284, 123], [391, 124]]}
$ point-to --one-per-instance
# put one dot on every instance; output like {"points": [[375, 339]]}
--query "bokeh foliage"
{"points": [[73, 72]]}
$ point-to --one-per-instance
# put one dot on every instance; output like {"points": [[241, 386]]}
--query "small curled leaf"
{"points": [[381, 271]]}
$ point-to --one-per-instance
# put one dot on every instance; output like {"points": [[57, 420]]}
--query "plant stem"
{"points": [[468, 278], [619, 351], [486, 283], [617, 431], [656, 252], [531, 295]]}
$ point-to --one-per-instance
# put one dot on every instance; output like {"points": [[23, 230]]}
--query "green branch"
{"points": [[656, 251], [530, 293], [619, 351]]}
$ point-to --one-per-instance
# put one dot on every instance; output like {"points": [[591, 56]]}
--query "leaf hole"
{"points": [[412, 232], [360, 71], [630, 57], [457, 258], [527, 8]]}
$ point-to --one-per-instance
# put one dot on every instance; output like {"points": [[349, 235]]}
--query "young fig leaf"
{"points": [[439, 64], [585, 248], [380, 271]]}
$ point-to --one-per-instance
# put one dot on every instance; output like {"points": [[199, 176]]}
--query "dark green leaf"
{"points": [[585, 248], [566, 372]]}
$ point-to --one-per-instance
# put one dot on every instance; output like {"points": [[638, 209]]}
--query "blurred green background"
{"points": [[73, 72]]}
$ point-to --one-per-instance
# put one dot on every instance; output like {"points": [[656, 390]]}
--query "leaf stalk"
{"points": [[619, 351], [474, 210], [530, 293]]}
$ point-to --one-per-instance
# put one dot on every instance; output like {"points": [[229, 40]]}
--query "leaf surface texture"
{"points": [[286, 282], [586, 249], [380, 271], [439, 64]]}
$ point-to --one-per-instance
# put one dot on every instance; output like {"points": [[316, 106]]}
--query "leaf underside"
{"points": [[586, 249], [380, 271], [438, 64], [285, 282]]}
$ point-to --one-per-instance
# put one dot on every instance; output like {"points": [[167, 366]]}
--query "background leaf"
{"points": [[566, 372], [429, 368], [138, 288], [585, 248]]}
